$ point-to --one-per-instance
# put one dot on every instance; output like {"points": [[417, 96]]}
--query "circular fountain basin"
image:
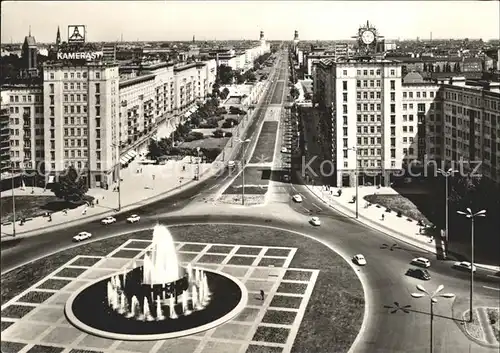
{"points": [[88, 310]]}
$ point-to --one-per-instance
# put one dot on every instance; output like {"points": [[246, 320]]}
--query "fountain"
{"points": [[157, 300], [162, 278]]}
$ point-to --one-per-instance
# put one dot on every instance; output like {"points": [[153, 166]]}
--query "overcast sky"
{"points": [[176, 20]]}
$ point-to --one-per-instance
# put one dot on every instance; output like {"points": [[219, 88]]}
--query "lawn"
{"points": [[335, 310], [398, 203], [264, 150], [256, 181], [33, 206], [209, 142]]}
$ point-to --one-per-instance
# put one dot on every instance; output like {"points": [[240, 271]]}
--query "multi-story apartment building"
{"points": [[472, 127], [136, 116], [26, 125], [5, 166], [396, 123], [81, 119], [421, 120]]}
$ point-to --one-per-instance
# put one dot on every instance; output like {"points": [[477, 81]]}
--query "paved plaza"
{"points": [[34, 320]]}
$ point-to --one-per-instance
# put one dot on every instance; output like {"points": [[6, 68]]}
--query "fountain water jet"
{"points": [[173, 314]]}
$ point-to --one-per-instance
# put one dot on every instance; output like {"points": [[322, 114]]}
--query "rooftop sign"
{"points": [[76, 34], [88, 56]]}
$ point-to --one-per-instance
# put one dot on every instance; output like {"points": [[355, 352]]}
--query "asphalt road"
{"points": [[384, 275]]}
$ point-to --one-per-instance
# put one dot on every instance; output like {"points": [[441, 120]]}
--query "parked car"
{"points": [[82, 236], [315, 221], [286, 178], [231, 164], [421, 261], [359, 259], [284, 150], [133, 218], [419, 273], [108, 220], [464, 265], [297, 198]]}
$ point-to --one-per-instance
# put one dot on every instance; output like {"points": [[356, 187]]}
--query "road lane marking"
{"points": [[213, 186], [498, 289], [316, 206], [494, 276]]}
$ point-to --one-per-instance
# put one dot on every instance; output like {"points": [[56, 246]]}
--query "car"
{"points": [[315, 221], [82, 236], [297, 198], [286, 178], [284, 150], [108, 220], [133, 218], [464, 265], [421, 261], [419, 273], [359, 259], [231, 164]]}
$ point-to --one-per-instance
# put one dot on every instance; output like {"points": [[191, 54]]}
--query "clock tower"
{"points": [[367, 38]]}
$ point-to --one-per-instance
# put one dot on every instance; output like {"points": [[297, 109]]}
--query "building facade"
{"points": [[5, 166], [395, 124], [472, 127], [81, 125], [26, 125]]}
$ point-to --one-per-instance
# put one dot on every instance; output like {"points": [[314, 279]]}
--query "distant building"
{"points": [[109, 52], [29, 56]]}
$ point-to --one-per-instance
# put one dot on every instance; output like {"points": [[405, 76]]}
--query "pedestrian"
{"points": [[261, 294], [383, 216]]}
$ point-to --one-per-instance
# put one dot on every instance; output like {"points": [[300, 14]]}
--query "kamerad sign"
{"points": [[89, 56]]}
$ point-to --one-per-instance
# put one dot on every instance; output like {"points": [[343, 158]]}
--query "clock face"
{"points": [[367, 37]]}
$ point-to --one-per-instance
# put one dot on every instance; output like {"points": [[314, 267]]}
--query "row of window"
{"points": [[75, 85], [418, 94], [73, 75], [471, 100], [26, 99], [76, 131], [76, 153]]}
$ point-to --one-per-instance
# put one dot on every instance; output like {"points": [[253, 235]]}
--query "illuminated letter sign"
{"points": [[76, 34]]}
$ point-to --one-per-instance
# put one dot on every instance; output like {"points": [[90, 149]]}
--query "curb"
{"points": [[386, 230], [98, 216]]}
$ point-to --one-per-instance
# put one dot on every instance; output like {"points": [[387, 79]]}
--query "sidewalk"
{"points": [[397, 227], [137, 189]]}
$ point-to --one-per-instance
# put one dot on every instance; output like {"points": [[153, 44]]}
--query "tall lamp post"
{"points": [[432, 299], [244, 142], [355, 149], [446, 174], [13, 201], [471, 215], [117, 146]]}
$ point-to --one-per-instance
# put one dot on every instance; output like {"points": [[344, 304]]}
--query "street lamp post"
{"points": [[471, 215], [355, 149], [447, 174], [198, 163], [13, 201], [119, 176], [432, 299], [244, 142]]}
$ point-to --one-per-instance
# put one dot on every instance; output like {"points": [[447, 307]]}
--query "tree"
{"points": [[224, 93], [294, 92], [70, 186], [226, 74], [154, 150]]}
